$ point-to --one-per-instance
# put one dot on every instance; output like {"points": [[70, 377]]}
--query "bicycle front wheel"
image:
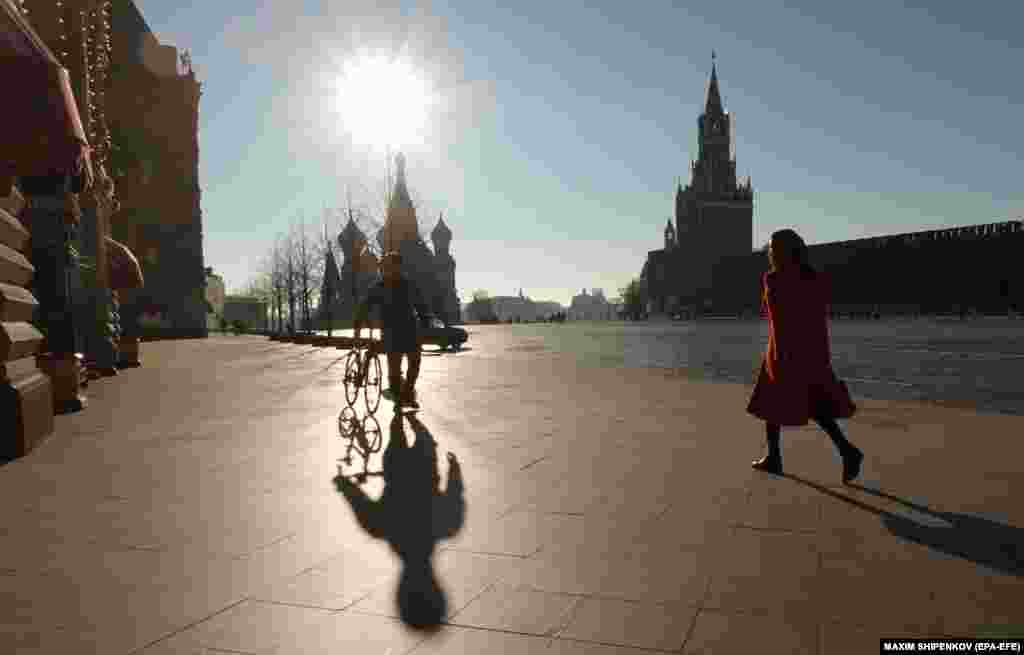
{"points": [[353, 366]]}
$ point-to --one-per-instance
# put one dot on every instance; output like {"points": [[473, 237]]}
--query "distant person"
{"points": [[401, 304], [796, 382]]}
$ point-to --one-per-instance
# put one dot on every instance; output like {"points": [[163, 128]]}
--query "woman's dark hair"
{"points": [[788, 245]]}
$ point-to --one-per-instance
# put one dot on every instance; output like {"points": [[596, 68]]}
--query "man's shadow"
{"points": [[997, 546], [412, 515]]}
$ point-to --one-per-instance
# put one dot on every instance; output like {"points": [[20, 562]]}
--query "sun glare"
{"points": [[384, 101]]}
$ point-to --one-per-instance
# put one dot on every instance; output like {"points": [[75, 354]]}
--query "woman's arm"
{"points": [[781, 315]]}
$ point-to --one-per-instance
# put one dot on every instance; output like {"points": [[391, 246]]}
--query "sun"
{"points": [[384, 101]]}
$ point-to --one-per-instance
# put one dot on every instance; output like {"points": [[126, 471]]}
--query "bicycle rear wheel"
{"points": [[353, 365]]}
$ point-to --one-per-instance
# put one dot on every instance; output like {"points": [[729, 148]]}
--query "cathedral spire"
{"points": [[714, 102], [441, 235], [400, 168], [400, 225], [400, 195]]}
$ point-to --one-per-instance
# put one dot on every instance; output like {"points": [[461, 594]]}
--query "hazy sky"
{"points": [[561, 127]]}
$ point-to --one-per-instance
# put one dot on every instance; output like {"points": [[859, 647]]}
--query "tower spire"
{"points": [[714, 102]]}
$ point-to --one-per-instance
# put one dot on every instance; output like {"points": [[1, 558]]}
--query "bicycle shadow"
{"points": [[413, 515], [363, 438], [995, 545]]}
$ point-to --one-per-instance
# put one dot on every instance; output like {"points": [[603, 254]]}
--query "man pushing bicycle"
{"points": [[401, 304]]}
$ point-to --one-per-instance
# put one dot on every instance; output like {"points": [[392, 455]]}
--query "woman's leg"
{"points": [[832, 429], [852, 456], [772, 462]]}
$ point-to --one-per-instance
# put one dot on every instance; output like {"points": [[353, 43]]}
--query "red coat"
{"points": [[796, 380]]}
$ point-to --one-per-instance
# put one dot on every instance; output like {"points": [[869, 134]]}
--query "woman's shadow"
{"points": [[412, 515], [995, 545]]}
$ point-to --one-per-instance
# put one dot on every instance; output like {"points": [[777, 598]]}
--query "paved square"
{"points": [[194, 508]]}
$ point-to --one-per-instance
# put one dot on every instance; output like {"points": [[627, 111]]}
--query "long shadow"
{"points": [[995, 545], [412, 515]]}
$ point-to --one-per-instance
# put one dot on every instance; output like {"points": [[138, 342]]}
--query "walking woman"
{"points": [[796, 382]]}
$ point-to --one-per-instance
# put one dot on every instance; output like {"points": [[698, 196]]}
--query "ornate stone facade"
{"points": [[153, 111], [359, 269], [78, 34], [433, 271], [446, 301], [714, 216]]}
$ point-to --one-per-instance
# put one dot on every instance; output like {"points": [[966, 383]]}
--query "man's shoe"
{"points": [[851, 466], [770, 463]]}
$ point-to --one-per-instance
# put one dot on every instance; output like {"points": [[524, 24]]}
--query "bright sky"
{"points": [[555, 131]]}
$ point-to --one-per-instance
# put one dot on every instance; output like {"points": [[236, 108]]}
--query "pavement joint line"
{"points": [[462, 550], [547, 635], [189, 626], [693, 624], [308, 606], [794, 531], [534, 463], [612, 644], [270, 544], [484, 552]]}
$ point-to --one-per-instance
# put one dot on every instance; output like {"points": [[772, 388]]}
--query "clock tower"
{"points": [[714, 212]]}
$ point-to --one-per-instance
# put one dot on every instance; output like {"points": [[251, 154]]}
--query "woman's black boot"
{"points": [[772, 462], [851, 465]]}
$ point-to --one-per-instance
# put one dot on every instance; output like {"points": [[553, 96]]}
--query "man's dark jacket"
{"points": [[401, 305]]}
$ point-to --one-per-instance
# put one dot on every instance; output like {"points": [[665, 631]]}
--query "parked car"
{"points": [[443, 336]]}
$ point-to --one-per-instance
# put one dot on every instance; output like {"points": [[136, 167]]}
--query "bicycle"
{"points": [[362, 370]]}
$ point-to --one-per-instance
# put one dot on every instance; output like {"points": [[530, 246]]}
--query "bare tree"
{"points": [[288, 255], [302, 272], [633, 299], [328, 288], [280, 280], [305, 272]]}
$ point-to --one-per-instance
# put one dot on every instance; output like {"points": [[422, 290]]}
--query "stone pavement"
{"points": [[193, 508]]}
